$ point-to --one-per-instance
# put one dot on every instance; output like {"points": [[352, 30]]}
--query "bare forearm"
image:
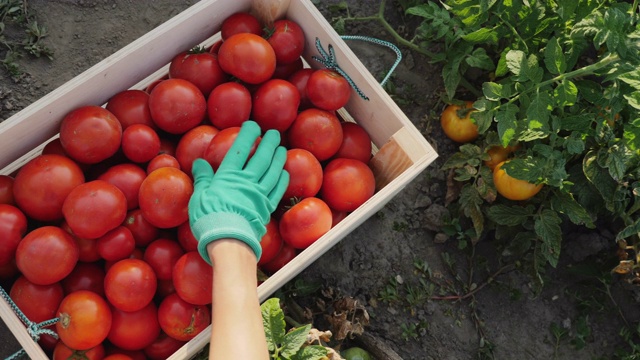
{"points": [[237, 330]]}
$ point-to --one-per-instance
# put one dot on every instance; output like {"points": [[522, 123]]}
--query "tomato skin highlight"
{"points": [[461, 130], [512, 188]]}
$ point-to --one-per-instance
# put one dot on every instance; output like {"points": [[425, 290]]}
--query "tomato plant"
{"points": [[193, 279], [275, 105], [317, 131], [90, 134], [177, 106], [42, 185], [305, 222], [94, 208], [164, 197], [512, 188], [457, 124], [498, 154], [182, 320], [199, 67], [248, 57], [85, 320], [13, 226], [328, 90], [347, 184], [130, 284], [46, 255], [229, 105], [287, 39]]}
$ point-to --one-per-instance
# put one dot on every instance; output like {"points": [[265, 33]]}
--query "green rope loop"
{"points": [[328, 59], [33, 329]]}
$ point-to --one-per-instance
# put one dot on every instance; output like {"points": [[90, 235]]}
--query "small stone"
{"points": [[440, 238], [399, 279], [422, 202]]}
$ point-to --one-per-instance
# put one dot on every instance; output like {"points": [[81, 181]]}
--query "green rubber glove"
{"points": [[238, 200]]}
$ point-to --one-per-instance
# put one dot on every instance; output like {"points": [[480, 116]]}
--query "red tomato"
{"points": [[284, 71], [356, 143], [54, 147], [127, 178], [94, 208], [229, 105], [134, 330], [164, 197], [248, 57], [163, 347], [337, 216], [305, 174], [220, 145], [162, 255], [140, 143], [177, 106], [271, 242], [85, 320], [215, 47], [287, 40], [182, 320], [85, 276], [88, 248], [143, 231], [90, 134], [186, 238], [63, 352], [165, 287], [193, 279], [317, 131], [42, 185], [8, 273], [6, 190], [46, 255], [286, 254], [117, 244], [168, 146], [13, 226], [347, 184], [275, 105], [137, 254], [118, 357], [160, 161], [241, 22], [130, 284], [131, 107], [305, 222], [198, 67], [37, 302], [299, 79], [193, 144], [328, 90]]}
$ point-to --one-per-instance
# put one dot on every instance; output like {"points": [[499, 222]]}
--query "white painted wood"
{"points": [[404, 153], [18, 330]]}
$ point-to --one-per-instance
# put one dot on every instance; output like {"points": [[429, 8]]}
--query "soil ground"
{"points": [[501, 319]]}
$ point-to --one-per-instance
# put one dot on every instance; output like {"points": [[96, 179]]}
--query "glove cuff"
{"points": [[224, 226]]}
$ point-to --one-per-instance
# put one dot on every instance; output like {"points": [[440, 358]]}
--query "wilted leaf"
{"points": [[453, 188], [624, 267]]}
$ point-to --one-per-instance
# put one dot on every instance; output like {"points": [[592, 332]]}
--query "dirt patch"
{"points": [[400, 246]]}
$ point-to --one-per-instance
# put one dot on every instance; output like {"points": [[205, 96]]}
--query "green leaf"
{"points": [[294, 340], [631, 230], [470, 201], [554, 57], [455, 161], [600, 179], [580, 122], [566, 93], [451, 75], [632, 78], [516, 60], [502, 68], [547, 227], [273, 322], [483, 120], [616, 161], [482, 35], [590, 90], [509, 215], [479, 59], [633, 99], [631, 135], [538, 111], [507, 123], [520, 244], [574, 144], [564, 203], [567, 8], [311, 352], [492, 91]]}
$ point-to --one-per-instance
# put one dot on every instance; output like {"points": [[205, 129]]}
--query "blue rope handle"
{"points": [[328, 59], [34, 329]]}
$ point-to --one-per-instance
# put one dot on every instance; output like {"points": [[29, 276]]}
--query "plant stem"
{"points": [[503, 269]]}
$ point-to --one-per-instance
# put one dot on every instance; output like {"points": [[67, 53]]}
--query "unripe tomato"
{"points": [[499, 154], [355, 353], [512, 188], [457, 124]]}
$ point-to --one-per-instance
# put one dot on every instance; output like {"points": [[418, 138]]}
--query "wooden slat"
{"points": [[20, 332], [269, 11]]}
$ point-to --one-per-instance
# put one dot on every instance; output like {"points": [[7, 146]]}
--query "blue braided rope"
{"points": [[328, 59], [34, 329]]}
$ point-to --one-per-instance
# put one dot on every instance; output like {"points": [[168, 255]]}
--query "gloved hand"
{"points": [[238, 200]]}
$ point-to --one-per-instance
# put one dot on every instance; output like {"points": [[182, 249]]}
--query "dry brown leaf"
{"points": [[453, 188], [316, 336]]}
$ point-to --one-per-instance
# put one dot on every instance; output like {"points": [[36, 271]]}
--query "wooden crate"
{"points": [[401, 152]]}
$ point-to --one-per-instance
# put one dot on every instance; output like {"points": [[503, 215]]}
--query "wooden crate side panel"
{"points": [[20, 332], [41, 120]]}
